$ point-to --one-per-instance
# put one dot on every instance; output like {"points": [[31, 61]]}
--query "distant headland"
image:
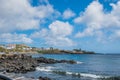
{"points": [[23, 48]]}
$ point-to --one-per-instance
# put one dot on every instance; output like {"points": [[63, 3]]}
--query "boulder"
{"points": [[44, 78]]}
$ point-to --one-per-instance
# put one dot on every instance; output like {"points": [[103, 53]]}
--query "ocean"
{"points": [[88, 67]]}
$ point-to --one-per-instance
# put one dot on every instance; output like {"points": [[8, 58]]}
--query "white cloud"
{"points": [[60, 28], [68, 14], [96, 19], [15, 38], [93, 15], [57, 34], [21, 15], [40, 34], [59, 41], [87, 32]]}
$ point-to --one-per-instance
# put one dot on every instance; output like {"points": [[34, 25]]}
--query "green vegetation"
{"points": [[77, 50], [15, 48], [22, 48], [74, 51], [88, 52], [2, 49], [83, 51], [49, 51]]}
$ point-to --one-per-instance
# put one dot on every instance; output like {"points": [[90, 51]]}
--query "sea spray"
{"points": [[79, 62], [46, 69], [90, 75], [64, 73], [77, 74]]}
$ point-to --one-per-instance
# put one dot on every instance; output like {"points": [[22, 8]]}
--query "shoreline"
{"points": [[12, 62], [22, 63]]}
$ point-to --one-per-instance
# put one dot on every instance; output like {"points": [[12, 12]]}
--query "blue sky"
{"points": [[92, 25]]}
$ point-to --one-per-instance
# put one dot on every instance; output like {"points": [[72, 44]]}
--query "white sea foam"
{"points": [[84, 75], [78, 62], [18, 78], [90, 75], [46, 69], [49, 69], [23, 78], [69, 73]]}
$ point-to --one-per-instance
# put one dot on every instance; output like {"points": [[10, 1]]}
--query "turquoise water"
{"points": [[89, 66]]}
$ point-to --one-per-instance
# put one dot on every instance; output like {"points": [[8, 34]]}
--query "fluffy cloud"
{"points": [[97, 20], [68, 14], [60, 28], [56, 35], [59, 41], [21, 15], [40, 34], [15, 38]]}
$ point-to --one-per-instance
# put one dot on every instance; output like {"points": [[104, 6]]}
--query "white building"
{"points": [[10, 46]]}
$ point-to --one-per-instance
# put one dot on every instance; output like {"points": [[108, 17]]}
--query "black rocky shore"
{"points": [[21, 63]]}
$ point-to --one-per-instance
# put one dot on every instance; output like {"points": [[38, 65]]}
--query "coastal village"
{"points": [[13, 62], [23, 48]]}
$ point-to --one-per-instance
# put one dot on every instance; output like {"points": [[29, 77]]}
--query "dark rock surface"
{"points": [[111, 78], [52, 61], [22, 63], [17, 63], [4, 78], [44, 78]]}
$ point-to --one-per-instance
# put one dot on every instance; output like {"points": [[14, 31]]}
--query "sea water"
{"points": [[88, 67]]}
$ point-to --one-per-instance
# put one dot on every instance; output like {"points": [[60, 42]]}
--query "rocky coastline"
{"points": [[22, 63]]}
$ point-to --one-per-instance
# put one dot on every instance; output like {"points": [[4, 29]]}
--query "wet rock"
{"points": [[22, 63], [52, 61], [17, 63], [111, 78], [45, 60], [67, 61], [71, 62], [44, 78]]}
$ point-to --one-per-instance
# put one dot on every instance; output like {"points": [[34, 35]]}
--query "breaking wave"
{"points": [[78, 62], [78, 74], [46, 69], [50, 69]]}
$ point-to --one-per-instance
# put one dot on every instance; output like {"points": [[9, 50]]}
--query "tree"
{"points": [[51, 48], [77, 50]]}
